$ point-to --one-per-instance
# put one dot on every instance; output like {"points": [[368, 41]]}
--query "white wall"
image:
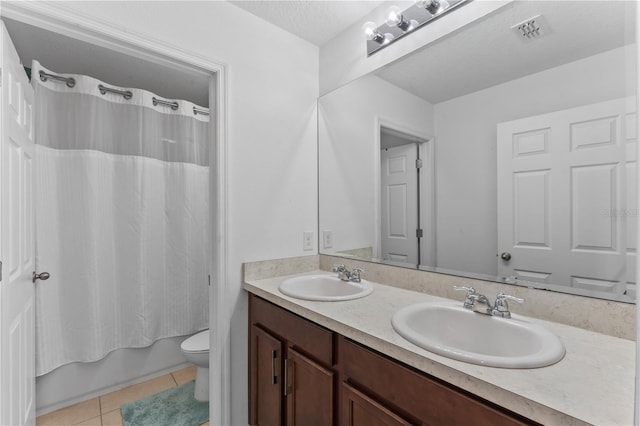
{"points": [[272, 91], [349, 152], [344, 58], [465, 129]]}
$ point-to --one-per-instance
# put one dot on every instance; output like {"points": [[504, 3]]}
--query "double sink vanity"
{"points": [[495, 338], [337, 348]]}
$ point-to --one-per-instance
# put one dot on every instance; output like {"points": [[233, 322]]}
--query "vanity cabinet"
{"points": [[291, 368], [303, 374]]}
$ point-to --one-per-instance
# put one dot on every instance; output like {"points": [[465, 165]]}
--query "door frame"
{"points": [[427, 185], [70, 23]]}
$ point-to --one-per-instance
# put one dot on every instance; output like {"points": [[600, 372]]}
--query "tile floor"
{"points": [[105, 410]]}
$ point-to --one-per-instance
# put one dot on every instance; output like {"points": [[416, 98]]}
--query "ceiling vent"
{"points": [[531, 29]]}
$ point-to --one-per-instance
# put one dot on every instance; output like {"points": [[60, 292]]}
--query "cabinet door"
{"points": [[309, 392], [265, 379], [358, 409]]}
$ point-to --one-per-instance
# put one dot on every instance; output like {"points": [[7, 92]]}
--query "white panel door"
{"points": [[17, 357], [399, 199], [565, 194]]}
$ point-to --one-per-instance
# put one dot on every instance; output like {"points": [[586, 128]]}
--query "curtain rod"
{"points": [[127, 94]]}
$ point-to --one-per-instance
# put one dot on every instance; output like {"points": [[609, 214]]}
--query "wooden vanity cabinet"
{"points": [[291, 368], [303, 374]]}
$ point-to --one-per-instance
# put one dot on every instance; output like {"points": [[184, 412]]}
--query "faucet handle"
{"points": [[501, 307], [469, 301], [338, 268], [469, 290], [355, 275]]}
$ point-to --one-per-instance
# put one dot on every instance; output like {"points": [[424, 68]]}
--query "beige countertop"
{"points": [[592, 384]]}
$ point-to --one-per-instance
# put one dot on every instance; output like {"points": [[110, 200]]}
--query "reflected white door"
{"points": [[566, 198], [17, 357], [399, 199]]}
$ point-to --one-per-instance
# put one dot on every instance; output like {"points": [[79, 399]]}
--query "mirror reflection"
{"points": [[494, 155]]}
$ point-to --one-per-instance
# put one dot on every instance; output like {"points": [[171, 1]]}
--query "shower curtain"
{"points": [[121, 219]]}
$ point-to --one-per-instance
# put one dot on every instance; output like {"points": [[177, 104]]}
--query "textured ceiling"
{"points": [[312, 20], [489, 52]]}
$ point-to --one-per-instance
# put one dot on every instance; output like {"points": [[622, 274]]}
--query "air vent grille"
{"points": [[531, 29]]}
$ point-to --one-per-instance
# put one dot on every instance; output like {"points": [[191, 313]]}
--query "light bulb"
{"points": [[369, 30], [394, 16]]}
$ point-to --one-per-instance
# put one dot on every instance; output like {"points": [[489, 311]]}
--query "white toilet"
{"points": [[196, 350]]}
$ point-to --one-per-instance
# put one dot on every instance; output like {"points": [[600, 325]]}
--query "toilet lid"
{"points": [[197, 343]]}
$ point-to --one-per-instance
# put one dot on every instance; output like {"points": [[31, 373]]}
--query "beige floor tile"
{"points": [[185, 375], [205, 424], [112, 418], [94, 421], [71, 415], [114, 400]]}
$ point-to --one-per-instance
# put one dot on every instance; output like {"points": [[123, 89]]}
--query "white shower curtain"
{"points": [[121, 220]]}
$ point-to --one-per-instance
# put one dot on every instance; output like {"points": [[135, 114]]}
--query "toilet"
{"points": [[196, 351]]}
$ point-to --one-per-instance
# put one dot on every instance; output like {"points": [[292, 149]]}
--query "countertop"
{"points": [[592, 384]]}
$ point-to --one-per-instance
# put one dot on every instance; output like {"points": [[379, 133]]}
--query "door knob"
{"points": [[505, 256], [41, 276]]}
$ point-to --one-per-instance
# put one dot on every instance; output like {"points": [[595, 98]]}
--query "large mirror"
{"points": [[502, 152]]}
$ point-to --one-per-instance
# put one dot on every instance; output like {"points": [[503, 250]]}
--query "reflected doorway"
{"points": [[406, 198]]}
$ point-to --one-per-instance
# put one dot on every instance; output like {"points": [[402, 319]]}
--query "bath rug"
{"points": [[171, 407]]}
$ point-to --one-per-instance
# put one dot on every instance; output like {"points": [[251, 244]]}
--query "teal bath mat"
{"points": [[171, 407]]}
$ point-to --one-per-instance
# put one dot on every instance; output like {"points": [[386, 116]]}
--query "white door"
{"points": [[565, 214], [399, 199], [17, 336]]}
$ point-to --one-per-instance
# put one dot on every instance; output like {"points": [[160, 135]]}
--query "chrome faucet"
{"points": [[478, 298], [345, 275], [499, 309]]}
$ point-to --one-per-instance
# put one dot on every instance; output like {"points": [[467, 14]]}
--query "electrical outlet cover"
{"points": [[327, 239], [307, 240]]}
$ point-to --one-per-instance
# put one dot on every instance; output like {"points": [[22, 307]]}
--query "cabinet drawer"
{"points": [[359, 410], [308, 337], [422, 397]]}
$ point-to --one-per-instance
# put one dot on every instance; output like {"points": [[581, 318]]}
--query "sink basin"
{"points": [[324, 288], [455, 332]]}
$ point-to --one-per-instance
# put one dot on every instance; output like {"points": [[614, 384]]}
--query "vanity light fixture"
{"points": [[399, 23]]}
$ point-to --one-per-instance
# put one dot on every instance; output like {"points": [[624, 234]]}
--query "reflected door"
{"points": [[17, 333], [399, 199], [566, 198]]}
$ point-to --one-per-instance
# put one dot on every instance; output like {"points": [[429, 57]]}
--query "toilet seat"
{"points": [[197, 343]]}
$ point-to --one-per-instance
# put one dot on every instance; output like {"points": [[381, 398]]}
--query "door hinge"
{"points": [[209, 280], [0, 270], [418, 163], [419, 233]]}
